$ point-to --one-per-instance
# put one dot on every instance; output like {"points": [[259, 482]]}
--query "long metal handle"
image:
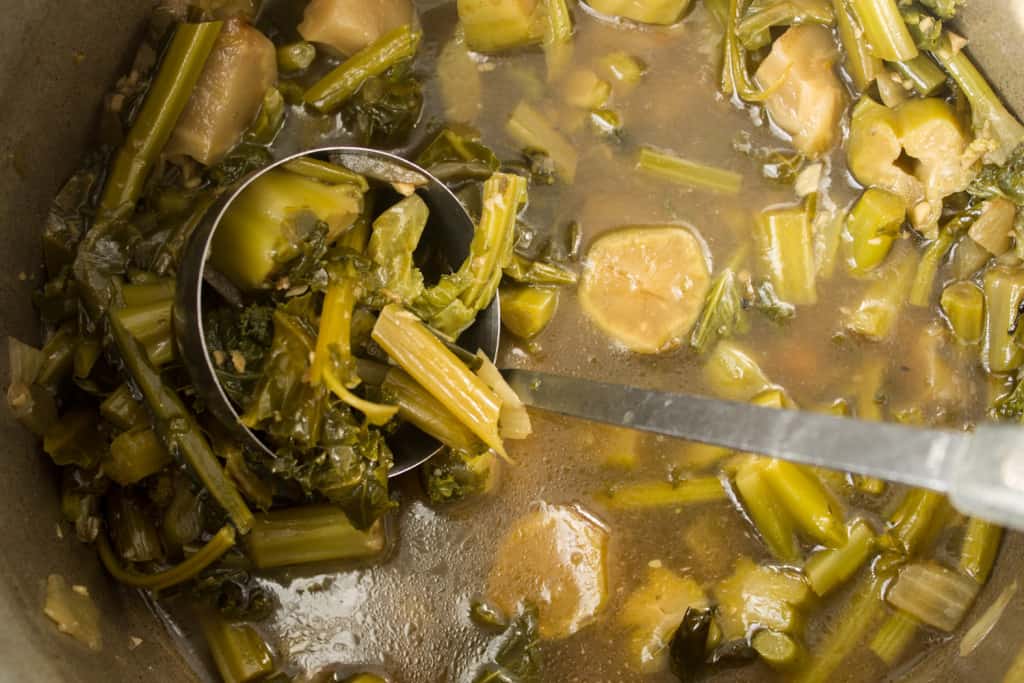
{"points": [[983, 472]]}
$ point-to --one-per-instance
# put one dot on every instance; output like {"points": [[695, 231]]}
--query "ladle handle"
{"points": [[983, 472]]}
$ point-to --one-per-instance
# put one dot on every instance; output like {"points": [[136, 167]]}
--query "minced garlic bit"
{"points": [[238, 361]]}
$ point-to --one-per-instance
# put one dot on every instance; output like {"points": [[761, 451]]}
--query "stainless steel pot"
{"points": [[57, 58]]}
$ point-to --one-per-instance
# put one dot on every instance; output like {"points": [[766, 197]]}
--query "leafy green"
{"points": [[944, 9], [539, 272], [453, 157], [514, 656], [396, 232], [1006, 180], [235, 593], [242, 160], [688, 647], [248, 333], [723, 314], [768, 302], [456, 475], [386, 108]]}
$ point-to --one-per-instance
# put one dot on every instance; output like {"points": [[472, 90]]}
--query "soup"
{"points": [[782, 203]]}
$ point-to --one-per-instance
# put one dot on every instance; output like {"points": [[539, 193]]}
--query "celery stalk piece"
{"points": [[813, 508], [326, 172], [922, 72], [422, 355], [923, 286], [754, 30], [497, 25], [532, 130], [884, 29], [785, 241], [238, 650], [917, 520], [417, 406], [878, 311], [396, 232], [933, 594], [827, 569], [661, 494], [689, 173], [873, 225], [778, 650], [963, 304], [558, 46], [730, 372], [331, 91], [314, 533], [1004, 294], [979, 550], [894, 636], [861, 64], [772, 521], [134, 456]]}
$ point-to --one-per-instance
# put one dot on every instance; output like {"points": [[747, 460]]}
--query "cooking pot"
{"points": [[57, 59]]}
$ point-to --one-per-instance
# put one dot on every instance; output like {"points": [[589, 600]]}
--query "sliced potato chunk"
{"points": [[347, 26], [228, 96], [555, 559], [653, 612], [805, 95], [645, 286]]}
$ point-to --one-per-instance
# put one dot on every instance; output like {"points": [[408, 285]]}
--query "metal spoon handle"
{"points": [[982, 472]]}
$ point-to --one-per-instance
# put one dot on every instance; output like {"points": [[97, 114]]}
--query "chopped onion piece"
{"points": [[937, 596], [987, 621]]}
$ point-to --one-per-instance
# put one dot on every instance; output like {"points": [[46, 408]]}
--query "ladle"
{"points": [[983, 471]]}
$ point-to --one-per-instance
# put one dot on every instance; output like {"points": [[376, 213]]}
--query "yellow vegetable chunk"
{"points": [[347, 26], [554, 558], [653, 612], [645, 286], [805, 96], [496, 25], [228, 96], [663, 12]]}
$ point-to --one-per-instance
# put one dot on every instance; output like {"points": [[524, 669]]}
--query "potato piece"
{"points": [[496, 25], [645, 286], [228, 96], [806, 96], [347, 26], [653, 612], [662, 12], [555, 559]]}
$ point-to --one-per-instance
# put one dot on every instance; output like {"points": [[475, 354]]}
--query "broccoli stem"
{"points": [[927, 269], [772, 521], [417, 406], [661, 494], [1004, 294], [557, 37], [861, 64], [785, 242], [778, 650], [884, 29], [917, 520], [735, 76], [689, 173], [921, 71], [122, 410], [331, 91], [828, 569], [809, 503], [58, 358], [178, 428], [219, 544], [314, 533], [172, 87], [873, 225], [894, 636], [963, 304], [238, 650], [979, 550], [295, 56], [754, 30]]}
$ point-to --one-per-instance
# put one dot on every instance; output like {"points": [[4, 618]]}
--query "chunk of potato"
{"points": [[645, 286], [555, 559], [653, 612], [347, 26], [496, 25], [663, 12], [805, 95], [228, 96]]}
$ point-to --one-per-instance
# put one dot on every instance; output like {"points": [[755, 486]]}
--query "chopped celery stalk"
{"points": [[58, 358], [772, 521], [730, 372], [326, 172], [496, 25], [295, 56], [652, 613], [991, 119], [968, 258], [238, 650], [754, 30], [182, 65], [828, 236], [451, 305], [544, 273], [917, 520], [265, 226], [778, 650], [425, 412], [689, 173], [849, 628], [863, 66], [785, 242], [622, 68], [661, 12], [994, 226], [147, 321], [723, 314], [875, 317], [894, 636], [760, 597], [924, 280], [557, 36], [220, 543], [33, 407], [396, 232], [812, 507], [963, 304], [134, 456], [145, 293], [526, 310], [979, 550], [514, 422], [412, 346], [661, 494], [873, 226], [1004, 294], [933, 594], [314, 533], [923, 74], [885, 30], [331, 91], [534, 131], [122, 410], [828, 569]]}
